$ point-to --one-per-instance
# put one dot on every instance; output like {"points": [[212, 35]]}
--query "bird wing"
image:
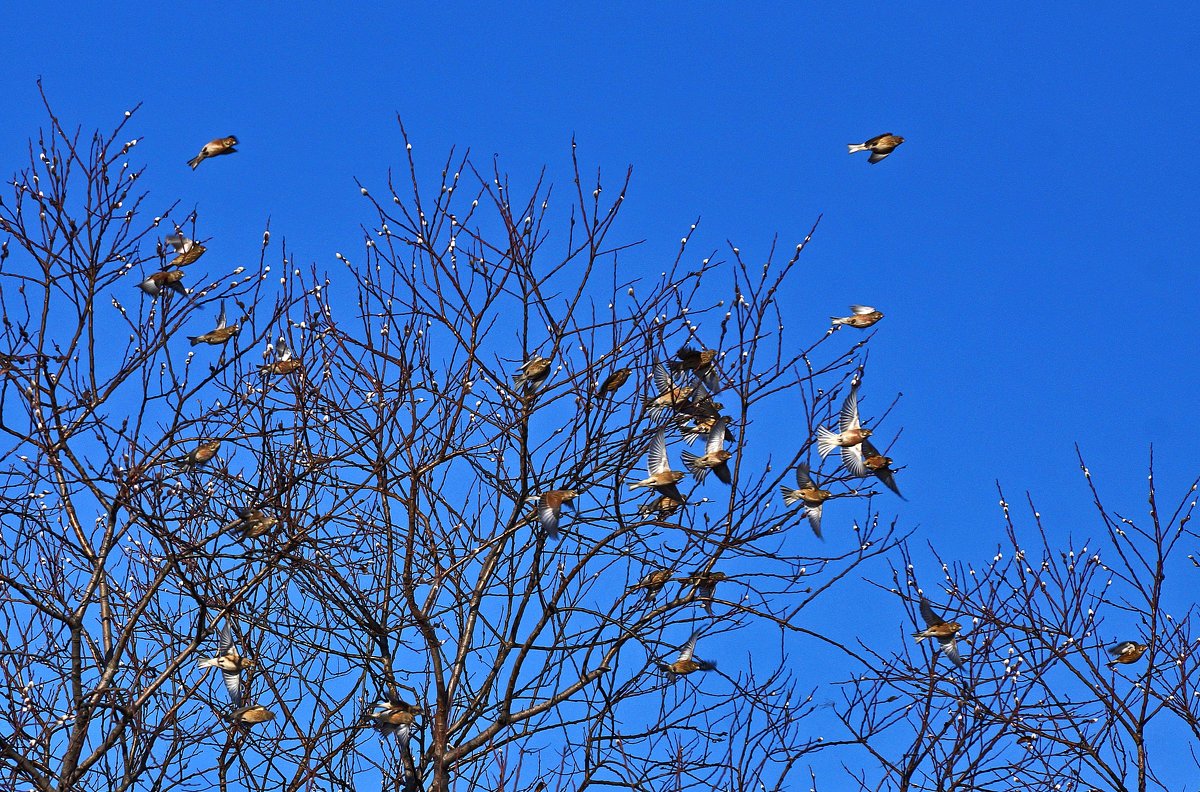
{"points": [[862, 310], [658, 462], [282, 351], [548, 516], [886, 476], [221, 316], [852, 458], [876, 156], [848, 418], [716, 437], [233, 684], [803, 476], [689, 648], [662, 379], [814, 518], [877, 138], [179, 242], [1118, 649], [931, 618], [226, 639], [950, 647]]}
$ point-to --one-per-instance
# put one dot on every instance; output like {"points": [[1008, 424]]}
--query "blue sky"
{"points": [[1032, 244]]}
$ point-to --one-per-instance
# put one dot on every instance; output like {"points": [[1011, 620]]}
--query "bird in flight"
{"points": [[214, 148], [879, 146]]}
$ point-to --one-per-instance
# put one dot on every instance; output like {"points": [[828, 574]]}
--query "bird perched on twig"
{"points": [[157, 282], [653, 583], [391, 716], [199, 455], [285, 363], [231, 664], [1126, 652], [861, 316], [219, 334], [945, 632], [661, 477], [612, 383], [549, 508], [879, 146], [848, 437], [687, 662], [187, 251], [808, 493], [214, 148], [715, 457]]}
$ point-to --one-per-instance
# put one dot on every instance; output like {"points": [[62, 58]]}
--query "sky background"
{"points": [[1032, 243]]}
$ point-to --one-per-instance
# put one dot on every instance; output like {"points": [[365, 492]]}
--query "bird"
{"points": [[231, 664], [702, 362], [251, 522], [187, 251], [255, 713], [671, 396], [653, 583], [156, 282], [199, 455], [391, 716], [715, 457], [937, 627], [705, 585], [687, 662], [663, 506], [219, 334], [1126, 652], [861, 316], [549, 508], [879, 146], [612, 382], [808, 493], [661, 477], [533, 372], [879, 466], [693, 426], [285, 363], [848, 437], [214, 148]]}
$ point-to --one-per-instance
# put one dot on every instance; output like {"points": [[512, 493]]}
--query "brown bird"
{"points": [[705, 585], [391, 716], [687, 662], [808, 493], [549, 508], [848, 437], [231, 664], [167, 279], [253, 523], [214, 148], [248, 716], [199, 455], [879, 466], [533, 372], [653, 583], [702, 362], [937, 627], [284, 362], [879, 146], [671, 397], [187, 250], [693, 427], [663, 506], [715, 456], [661, 477], [219, 334], [1126, 652], [612, 382], [861, 316]]}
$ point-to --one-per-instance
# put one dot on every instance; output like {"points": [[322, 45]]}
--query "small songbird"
{"points": [[808, 493], [687, 662], [231, 664], [255, 713], [391, 716], [199, 455], [702, 362], [549, 508], [1126, 652], [214, 148], [879, 146], [219, 334], [671, 397], [715, 456], [705, 585], [612, 382], [653, 583], [187, 251], [937, 627], [253, 523], [849, 436], [693, 427], [284, 362], [658, 466], [861, 316], [533, 372], [663, 506], [167, 279], [879, 466]]}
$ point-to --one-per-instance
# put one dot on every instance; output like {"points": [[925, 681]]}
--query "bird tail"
{"points": [[839, 320], [827, 441], [194, 161], [195, 340], [920, 636], [790, 495], [698, 471], [856, 147], [208, 662]]}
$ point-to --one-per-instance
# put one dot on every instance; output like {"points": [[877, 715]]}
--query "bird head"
{"points": [[231, 141], [866, 432], [954, 626]]}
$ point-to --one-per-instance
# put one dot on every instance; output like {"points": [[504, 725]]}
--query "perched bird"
{"points": [[187, 251], [879, 146], [702, 362], [937, 627], [613, 382], [1126, 652], [391, 716], [653, 583], [231, 664], [167, 279], [549, 508], [671, 397], [658, 466], [808, 493], [687, 662], [284, 362], [219, 334], [879, 466], [849, 436], [861, 316], [214, 148], [663, 506], [533, 372], [705, 585], [255, 713], [715, 456], [251, 522], [199, 455]]}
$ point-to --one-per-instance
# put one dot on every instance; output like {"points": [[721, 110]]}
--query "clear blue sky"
{"points": [[1032, 244]]}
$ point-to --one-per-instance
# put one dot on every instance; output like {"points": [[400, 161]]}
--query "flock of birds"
{"points": [[683, 397]]}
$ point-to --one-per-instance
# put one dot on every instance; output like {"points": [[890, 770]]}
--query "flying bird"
{"points": [[219, 334], [253, 523], [705, 585], [879, 466], [199, 455], [1126, 652], [231, 664], [715, 457], [613, 382], [159, 281], [663, 506], [391, 716], [694, 426], [945, 632], [808, 493], [285, 363], [861, 316], [533, 372], [879, 146], [549, 508], [214, 148], [702, 362], [653, 583], [661, 477], [187, 251], [672, 397], [255, 713], [849, 436], [687, 662]]}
